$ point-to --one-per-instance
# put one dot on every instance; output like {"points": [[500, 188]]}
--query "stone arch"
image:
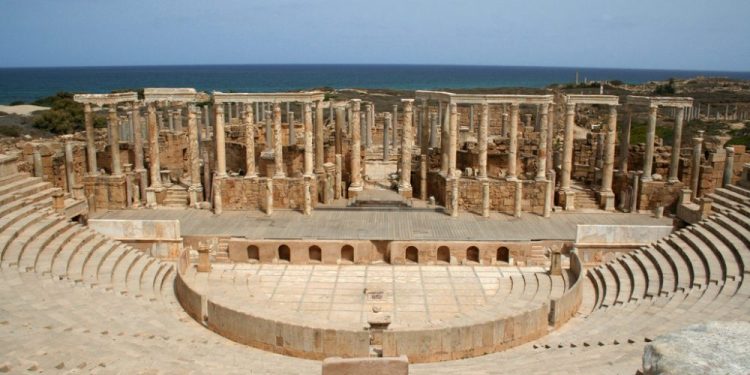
{"points": [[315, 254], [285, 254], [412, 255], [503, 254], [347, 253], [253, 253], [443, 254], [472, 254]]}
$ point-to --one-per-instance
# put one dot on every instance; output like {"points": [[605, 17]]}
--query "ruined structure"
{"points": [[495, 228]]}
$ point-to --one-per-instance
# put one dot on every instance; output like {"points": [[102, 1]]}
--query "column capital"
{"points": [[570, 108], [730, 150], [218, 108]]}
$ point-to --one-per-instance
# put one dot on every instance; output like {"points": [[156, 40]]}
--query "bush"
{"points": [[65, 115], [17, 102], [616, 82], [10, 131], [667, 89]]}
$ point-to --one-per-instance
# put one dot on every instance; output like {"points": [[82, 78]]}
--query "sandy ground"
{"points": [[23, 109]]}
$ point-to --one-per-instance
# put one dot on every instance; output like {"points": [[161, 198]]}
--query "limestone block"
{"points": [[366, 366]]}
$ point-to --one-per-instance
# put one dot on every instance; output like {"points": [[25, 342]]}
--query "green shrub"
{"points": [[10, 131], [17, 102], [64, 116]]}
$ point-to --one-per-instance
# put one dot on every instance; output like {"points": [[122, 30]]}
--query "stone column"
{"points": [[648, 157], [424, 150], [674, 164], [269, 130], [369, 125], [69, 175], [444, 140], [625, 143], [38, 166], [518, 198], [513, 149], [695, 168], [404, 185], [433, 130], [221, 156], [356, 170], [339, 128], [471, 118], [394, 125], [292, 133], [115, 140], [386, 145], [337, 181], [482, 173], [153, 148], [728, 167], [504, 128], [195, 189], [88, 119], [452, 139], [278, 147], [567, 166], [550, 136], [308, 125], [247, 121], [606, 196], [138, 167], [541, 165], [178, 120], [319, 139]]}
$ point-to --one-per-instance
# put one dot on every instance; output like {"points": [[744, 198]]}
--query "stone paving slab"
{"points": [[382, 225]]}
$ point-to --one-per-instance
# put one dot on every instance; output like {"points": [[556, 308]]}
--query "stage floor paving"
{"points": [[381, 224]]}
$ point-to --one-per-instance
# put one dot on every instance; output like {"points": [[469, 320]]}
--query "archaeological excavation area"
{"points": [[290, 232]]}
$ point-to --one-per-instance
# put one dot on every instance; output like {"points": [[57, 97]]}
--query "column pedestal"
{"points": [[517, 199], [485, 197], [607, 200]]}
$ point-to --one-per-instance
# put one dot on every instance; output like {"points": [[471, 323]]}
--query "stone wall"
{"points": [[563, 308], [502, 194], [239, 193]]}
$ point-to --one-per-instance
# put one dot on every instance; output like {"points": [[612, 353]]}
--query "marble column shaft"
{"points": [[319, 139], [356, 170], [513, 148], [452, 140], [625, 143], [433, 131], [115, 139], [369, 125], [386, 145], [550, 136], [153, 147], [308, 126], [88, 119], [541, 165], [728, 167], [567, 164], [674, 164], [292, 133], [695, 168], [406, 143], [609, 150], [394, 125], [69, 175], [484, 120], [339, 128], [219, 137], [444, 140], [424, 149], [648, 156], [139, 167], [247, 120], [278, 146]]}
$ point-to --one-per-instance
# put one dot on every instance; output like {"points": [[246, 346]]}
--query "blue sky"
{"points": [[668, 34]]}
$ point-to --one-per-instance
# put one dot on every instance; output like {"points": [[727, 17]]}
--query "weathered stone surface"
{"points": [[706, 348], [366, 366]]}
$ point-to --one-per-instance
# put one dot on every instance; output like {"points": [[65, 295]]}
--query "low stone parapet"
{"points": [[366, 366]]}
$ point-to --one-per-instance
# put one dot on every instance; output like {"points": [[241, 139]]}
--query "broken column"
{"points": [[69, 175], [247, 121], [292, 133], [139, 168], [153, 156], [728, 167], [424, 151]]}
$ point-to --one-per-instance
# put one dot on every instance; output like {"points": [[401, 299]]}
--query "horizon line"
{"points": [[365, 64]]}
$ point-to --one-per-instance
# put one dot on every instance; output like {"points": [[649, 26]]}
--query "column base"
{"points": [[607, 200], [485, 197], [405, 191], [567, 199], [511, 178], [354, 190]]}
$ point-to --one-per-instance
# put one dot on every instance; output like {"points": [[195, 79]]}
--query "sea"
{"points": [[29, 84]]}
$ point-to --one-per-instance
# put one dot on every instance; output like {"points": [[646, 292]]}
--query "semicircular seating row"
{"points": [[695, 274], [74, 299]]}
